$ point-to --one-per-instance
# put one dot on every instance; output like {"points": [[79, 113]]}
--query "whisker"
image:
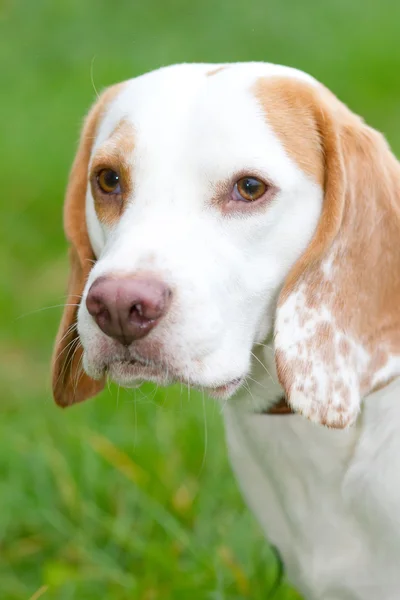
{"points": [[257, 382], [92, 76], [205, 434], [164, 402], [78, 346], [154, 393], [118, 390], [68, 332], [79, 372], [264, 345], [215, 405], [146, 398], [90, 260], [246, 385], [181, 391], [135, 429], [68, 360], [69, 347], [109, 385], [262, 364], [32, 312], [59, 355], [224, 403]]}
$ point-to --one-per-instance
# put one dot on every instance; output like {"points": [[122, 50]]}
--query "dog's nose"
{"points": [[126, 309]]}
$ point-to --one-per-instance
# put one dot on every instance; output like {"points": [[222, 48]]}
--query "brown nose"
{"points": [[126, 309]]}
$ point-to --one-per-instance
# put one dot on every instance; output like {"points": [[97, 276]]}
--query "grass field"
{"points": [[130, 495]]}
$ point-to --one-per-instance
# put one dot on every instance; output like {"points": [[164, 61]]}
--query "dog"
{"points": [[237, 227]]}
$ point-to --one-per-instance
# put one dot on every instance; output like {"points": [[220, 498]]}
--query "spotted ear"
{"points": [[70, 383], [337, 327]]}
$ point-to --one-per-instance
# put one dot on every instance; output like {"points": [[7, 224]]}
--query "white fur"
{"points": [[328, 499]]}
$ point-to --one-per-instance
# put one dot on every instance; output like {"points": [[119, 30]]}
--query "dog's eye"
{"points": [[109, 181], [249, 189]]}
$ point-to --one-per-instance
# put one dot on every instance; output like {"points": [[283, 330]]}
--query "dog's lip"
{"points": [[134, 364], [132, 372], [225, 390], [138, 361], [139, 367]]}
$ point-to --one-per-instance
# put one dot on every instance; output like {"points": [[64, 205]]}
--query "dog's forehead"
{"points": [[195, 105]]}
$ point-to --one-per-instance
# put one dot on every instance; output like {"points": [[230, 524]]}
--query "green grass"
{"points": [[130, 495]]}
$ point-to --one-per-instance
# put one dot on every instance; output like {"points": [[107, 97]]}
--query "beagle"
{"points": [[237, 227]]}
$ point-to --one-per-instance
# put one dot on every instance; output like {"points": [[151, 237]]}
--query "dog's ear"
{"points": [[70, 382], [337, 328]]}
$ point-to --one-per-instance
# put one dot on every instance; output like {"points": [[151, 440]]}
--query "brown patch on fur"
{"points": [[280, 408], [292, 120], [325, 334], [70, 382], [358, 232], [343, 390], [124, 134], [344, 347], [114, 154], [215, 71], [311, 137]]}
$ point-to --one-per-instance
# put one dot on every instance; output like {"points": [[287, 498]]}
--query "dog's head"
{"points": [[209, 207]]}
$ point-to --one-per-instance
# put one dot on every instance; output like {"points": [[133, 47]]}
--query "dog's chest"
{"points": [[328, 500]]}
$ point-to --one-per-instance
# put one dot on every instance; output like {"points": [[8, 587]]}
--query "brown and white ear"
{"points": [[70, 383], [337, 329]]}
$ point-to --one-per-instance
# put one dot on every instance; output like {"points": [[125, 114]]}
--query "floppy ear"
{"points": [[337, 328], [70, 382]]}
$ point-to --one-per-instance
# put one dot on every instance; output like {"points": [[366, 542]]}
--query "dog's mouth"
{"points": [[222, 392], [133, 372]]}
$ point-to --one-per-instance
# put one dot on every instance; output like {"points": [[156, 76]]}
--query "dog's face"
{"points": [[196, 193], [191, 152]]}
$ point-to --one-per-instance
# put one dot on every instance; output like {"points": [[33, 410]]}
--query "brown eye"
{"points": [[249, 189], [108, 181]]}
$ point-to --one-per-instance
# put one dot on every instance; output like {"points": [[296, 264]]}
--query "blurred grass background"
{"points": [[130, 495]]}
